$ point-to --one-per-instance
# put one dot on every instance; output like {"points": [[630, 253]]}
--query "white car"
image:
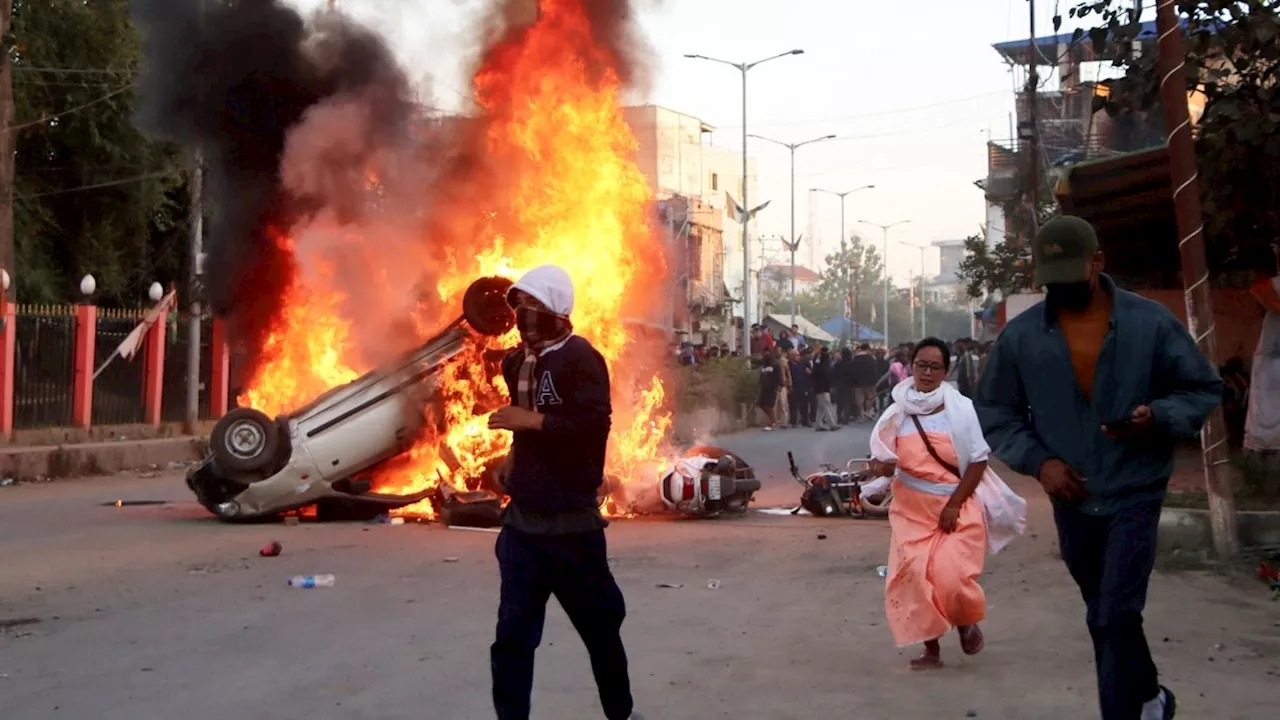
{"points": [[259, 467]]}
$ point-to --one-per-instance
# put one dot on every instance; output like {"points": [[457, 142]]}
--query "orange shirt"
{"points": [[1084, 334]]}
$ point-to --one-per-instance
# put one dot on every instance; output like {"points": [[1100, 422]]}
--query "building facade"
{"points": [[676, 156]]}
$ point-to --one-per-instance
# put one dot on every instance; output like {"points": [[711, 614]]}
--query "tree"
{"points": [[1232, 51], [1004, 267], [856, 271], [91, 193]]}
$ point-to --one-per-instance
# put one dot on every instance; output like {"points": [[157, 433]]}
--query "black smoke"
{"points": [[233, 78]]}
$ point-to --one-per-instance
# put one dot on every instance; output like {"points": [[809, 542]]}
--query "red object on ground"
{"points": [[271, 549], [1266, 572], [82, 374], [8, 349], [219, 369], [153, 370]]}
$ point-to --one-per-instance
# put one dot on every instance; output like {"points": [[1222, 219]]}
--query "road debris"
{"points": [[271, 549], [6, 482], [312, 581], [882, 570], [713, 584], [451, 559], [822, 536], [468, 528], [673, 586]]}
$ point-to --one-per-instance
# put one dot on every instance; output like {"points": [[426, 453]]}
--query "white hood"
{"points": [[549, 285]]}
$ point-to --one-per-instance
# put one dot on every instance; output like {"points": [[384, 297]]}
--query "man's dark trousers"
{"points": [[1111, 557], [574, 568]]}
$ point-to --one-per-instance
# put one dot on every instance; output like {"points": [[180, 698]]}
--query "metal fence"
{"points": [[43, 365], [117, 392], [173, 402]]}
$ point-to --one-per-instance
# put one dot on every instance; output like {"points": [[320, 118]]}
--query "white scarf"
{"points": [[1005, 512]]}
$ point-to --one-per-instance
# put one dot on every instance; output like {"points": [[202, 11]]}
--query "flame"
{"points": [[564, 190]]}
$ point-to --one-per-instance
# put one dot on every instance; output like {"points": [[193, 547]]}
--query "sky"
{"points": [[913, 90]]}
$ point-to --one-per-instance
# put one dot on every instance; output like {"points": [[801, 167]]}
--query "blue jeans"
{"points": [[1111, 557], [574, 568]]}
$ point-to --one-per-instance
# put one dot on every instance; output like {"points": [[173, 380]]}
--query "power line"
{"points": [[74, 71], [883, 113], [69, 111], [107, 184]]}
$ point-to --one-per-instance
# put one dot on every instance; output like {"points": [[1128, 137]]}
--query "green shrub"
{"points": [[723, 383]]}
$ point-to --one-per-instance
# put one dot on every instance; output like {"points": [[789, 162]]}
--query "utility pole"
{"points": [[844, 239], [196, 221], [1184, 176], [747, 211], [1031, 132], [7, 148], [794, 243]]}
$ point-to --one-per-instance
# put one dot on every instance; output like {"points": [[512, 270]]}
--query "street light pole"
{"points": [[853, 299], [794, 244], [924, 303], [885, 230], [746, 207]]}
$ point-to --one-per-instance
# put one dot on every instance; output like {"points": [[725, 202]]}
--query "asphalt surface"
{"points": [[158, 611]]}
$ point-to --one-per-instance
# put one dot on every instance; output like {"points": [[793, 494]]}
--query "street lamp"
{"points": [[844, 239], [924, 303], [794, 244], [746, 208], [885, 229]]}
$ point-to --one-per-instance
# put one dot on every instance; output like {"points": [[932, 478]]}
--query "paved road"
{"points": [[767, 453], [160, 612]]}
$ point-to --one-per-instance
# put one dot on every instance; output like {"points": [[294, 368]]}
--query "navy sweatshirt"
{"points": [[557, 471]]}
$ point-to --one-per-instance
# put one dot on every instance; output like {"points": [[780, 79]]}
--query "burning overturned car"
{"points": [[259, 466]]}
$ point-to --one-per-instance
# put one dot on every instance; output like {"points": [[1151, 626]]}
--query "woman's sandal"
{"points": [[971, 639], [931, 659]]}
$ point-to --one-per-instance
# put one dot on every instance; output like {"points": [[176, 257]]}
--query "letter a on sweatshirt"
{"points": [[547, 394]]}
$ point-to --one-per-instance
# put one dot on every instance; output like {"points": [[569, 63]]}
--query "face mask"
{"points": [[537, 326], [1072, 297]]}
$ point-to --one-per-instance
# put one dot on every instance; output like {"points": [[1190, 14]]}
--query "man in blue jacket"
{"points": [[552, 541], [1088, 392]]}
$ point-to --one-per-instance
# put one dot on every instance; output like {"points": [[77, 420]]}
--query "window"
{"points": [[715, 182]]}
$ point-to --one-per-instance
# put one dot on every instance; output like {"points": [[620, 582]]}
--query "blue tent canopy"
{"points": [[842, 327]]}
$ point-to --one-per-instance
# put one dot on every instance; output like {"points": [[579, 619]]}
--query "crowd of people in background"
{"points": [[857, 379], [812, 384]]}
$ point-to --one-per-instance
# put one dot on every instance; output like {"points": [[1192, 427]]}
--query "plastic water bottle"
{"points": [[311, 581], [882, 570]]}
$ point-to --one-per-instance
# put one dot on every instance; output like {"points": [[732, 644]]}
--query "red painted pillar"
{"points": [[8, 350], [153, 371], [82, 373], [219, 369]]}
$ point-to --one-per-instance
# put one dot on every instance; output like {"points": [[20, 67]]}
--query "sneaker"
{"points": [[1170, 703]]}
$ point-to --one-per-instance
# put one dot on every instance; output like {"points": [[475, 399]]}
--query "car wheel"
{"points": [[485, 306], [244, 441]]}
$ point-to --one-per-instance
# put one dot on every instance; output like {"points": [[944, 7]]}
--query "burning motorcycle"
{"points": [[708, 481], [849, 492]]}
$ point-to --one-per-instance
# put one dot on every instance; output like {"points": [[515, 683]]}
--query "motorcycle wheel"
{"points": [[881, 510]]}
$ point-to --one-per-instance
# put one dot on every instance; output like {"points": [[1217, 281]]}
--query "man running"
{"points": [[1095, 418]]}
